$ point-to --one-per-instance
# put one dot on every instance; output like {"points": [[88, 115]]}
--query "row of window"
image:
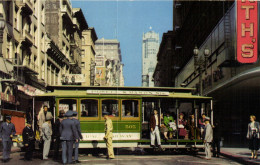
{"points": [[110, 107]]}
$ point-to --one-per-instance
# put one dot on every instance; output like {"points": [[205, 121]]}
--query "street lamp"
{"points": [[2, 26], [201, 64], [196, 55], [206, 56]]}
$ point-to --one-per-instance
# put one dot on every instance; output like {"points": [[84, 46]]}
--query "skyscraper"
{"points": [[149, 57]]}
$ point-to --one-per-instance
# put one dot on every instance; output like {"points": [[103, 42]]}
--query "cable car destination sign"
{"points": [[247, 29], [123, 92]]}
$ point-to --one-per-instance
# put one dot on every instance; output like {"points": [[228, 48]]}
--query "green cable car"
{"points": [[130, 109]]}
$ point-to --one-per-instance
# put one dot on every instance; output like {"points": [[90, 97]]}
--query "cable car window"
{"points": [[68, 104], [89, 108], [130, 108], [110, 107]]}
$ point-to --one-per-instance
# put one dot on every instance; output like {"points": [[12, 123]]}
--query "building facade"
{"points": [[65, 25], [233, 86], [22, 56], [89, 38], [165, 57], [150, 47], [109, 66], [40, 43]]}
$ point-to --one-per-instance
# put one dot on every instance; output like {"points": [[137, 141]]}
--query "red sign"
{"points": [[247, 24]]}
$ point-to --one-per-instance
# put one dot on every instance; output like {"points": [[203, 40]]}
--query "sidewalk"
{"points": [[241, 155]]}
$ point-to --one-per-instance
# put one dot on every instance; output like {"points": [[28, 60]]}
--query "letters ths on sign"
{"points": [[247, 24]]}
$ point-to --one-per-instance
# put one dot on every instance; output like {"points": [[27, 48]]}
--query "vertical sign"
{"points": [[247, 24]]}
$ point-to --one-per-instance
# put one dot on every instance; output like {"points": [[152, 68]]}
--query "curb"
{"points": [[242, 160]]}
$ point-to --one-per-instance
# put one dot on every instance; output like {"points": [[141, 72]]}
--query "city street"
{"points": [[133, 158]]}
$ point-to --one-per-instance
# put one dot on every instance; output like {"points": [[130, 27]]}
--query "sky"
{"points": [[127, 20]]}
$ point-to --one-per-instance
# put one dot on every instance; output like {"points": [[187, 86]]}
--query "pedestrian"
{"points": [[68, 133], [208, 137], [46, 136], [216, 139], [155, 133], [77, 124], [108, 137], [56, 134], [253, 132], [7, 131], [42, 119], [28, 141]]}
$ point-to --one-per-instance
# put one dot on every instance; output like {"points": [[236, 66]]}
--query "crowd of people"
{"points": [[66, 131], [210, 134], [170, 129], [185, 129]]}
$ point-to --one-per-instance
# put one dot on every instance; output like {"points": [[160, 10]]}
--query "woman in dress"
{"points": [[181, 127], [253, 136], [164, 129], [167, 120]]}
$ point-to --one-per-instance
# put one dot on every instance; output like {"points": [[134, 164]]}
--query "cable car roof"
{"points": [[140, 92]]}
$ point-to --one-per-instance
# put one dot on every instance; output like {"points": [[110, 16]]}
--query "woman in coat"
{"points": [[181, 127], [253, 136]]}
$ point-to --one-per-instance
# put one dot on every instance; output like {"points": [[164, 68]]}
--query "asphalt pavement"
{"points": [[128, 156]]}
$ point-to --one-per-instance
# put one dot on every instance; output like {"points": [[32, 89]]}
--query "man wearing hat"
{"points": [[77, 124], [56, 134], [7, 131], [208, 137], [28, 141], [46, 135], [68, 133]]}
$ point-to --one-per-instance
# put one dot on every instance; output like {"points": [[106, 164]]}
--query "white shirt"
{"points": [[156, 120], [252, 125]]}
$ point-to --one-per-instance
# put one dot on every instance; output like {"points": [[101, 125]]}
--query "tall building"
{"points": [[89, 38], [40, 43], [109, 66], [150, 48]]}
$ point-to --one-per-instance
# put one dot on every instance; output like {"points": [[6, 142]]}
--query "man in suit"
{"points": [[56, 134], [46, 136], [108, 137], [77, 124], [208, 137], [28, 141], [216, 139], [68, 133], [7, 131], [155, 133]]}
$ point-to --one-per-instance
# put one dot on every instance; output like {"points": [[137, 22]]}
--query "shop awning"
{"points": [[12, 113]]}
